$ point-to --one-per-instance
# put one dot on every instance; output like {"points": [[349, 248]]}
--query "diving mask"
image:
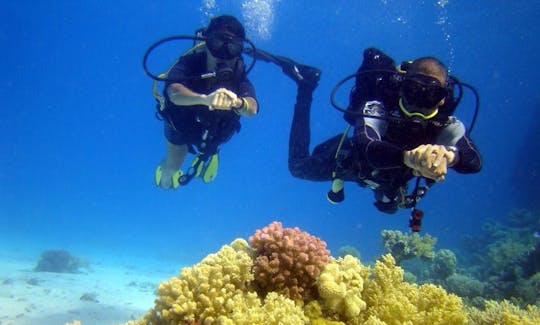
{"points": [[421, 91], [418, 112], [224, 45]]}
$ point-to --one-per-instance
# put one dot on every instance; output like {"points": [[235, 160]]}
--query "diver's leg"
{"points": [[300, 73], [171, 163], [301, 164], [300, 135], [319, 165], [175, 155], [384, 203]]}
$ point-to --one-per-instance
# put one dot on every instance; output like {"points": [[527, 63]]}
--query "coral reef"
{"points": [[348, 250], [207, 289], [288, 261], [505, 313], [390, 300], [444, 264], [405, 246], [464, 286], [59, 261], [506, 257], [218, 290], [222, 289], [340, 286]]}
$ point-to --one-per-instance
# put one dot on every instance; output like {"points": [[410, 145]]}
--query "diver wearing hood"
{"points": [[205, 94], [403, 127]]}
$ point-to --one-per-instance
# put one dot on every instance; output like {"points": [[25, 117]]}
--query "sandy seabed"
{"points": [[108, 292]]}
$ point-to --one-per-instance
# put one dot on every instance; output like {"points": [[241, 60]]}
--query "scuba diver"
{"points": [[205, 93], [403, 127]]}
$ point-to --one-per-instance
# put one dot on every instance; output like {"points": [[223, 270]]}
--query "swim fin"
{"points": [[158, 175], [211, 168], [197, 166], [176, 179]]}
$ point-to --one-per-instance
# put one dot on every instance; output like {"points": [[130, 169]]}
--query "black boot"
{"points": [[301, 74], [386, 207]]}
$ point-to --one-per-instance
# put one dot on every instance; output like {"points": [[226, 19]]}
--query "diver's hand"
{"points": [[430, 161], [439, 160], [222, 99], [425, 160]]}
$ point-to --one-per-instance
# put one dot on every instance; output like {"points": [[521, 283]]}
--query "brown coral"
{"points": [[288, 261]]}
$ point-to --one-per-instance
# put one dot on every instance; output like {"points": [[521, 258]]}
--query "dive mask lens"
{"points": [[224, 45], [423, 91], [235, 47], [214, 43]]}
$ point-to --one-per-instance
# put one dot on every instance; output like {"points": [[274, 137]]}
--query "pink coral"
{"points": [[288, 261]]}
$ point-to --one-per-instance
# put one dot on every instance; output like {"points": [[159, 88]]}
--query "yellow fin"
{"points": [[176, 179], [211, 169], [157, 175]]}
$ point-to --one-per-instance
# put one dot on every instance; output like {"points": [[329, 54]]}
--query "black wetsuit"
{"points": [[195, 125], [373, 156]]}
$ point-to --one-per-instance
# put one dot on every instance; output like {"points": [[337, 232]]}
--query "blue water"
{"points": [[79, 141]]}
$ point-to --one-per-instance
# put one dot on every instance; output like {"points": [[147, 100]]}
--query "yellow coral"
{"points": [[340, 285], [219, 290], [504, 313], [274, 310], [314, 312], [207, 290], [403, 246], [380, 296], [436, 306], [390, 300]]}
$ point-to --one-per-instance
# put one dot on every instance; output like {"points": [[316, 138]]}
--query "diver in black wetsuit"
{"points": [[403, 128]]}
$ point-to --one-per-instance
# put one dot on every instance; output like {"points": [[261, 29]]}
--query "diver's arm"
{"points": [[368, 136], [181, 95], [468, 159], [379, 154], [220, 99], [246, 106]]}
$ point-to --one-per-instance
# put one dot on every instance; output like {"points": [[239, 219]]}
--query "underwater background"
{"points": [[80, 143]]}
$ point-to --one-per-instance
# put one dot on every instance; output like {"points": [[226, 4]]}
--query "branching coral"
{"points": [[288, 261], [204, 292], [404, 246], [218, 291], [504, 313], [390, 300], [464, 286], [444, 264], [348, 250], [507, 257]]}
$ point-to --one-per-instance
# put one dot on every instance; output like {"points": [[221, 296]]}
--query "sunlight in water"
{"points": [[446, 25], [208, 8], [259, 17], [397, 13]]}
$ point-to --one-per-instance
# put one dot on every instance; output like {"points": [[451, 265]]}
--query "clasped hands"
{"points": [[430, 160], [222, 99]]}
